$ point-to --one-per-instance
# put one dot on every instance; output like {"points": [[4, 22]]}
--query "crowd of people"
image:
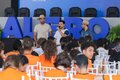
{"points": [[60, 52]]}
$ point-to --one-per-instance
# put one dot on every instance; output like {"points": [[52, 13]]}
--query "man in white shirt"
{"points": [[42, 30], [61, 32]]}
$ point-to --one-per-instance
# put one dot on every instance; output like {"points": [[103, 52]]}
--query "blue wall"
{"points": [[100, 5]]}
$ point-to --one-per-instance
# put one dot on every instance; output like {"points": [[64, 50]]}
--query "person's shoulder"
{"points": [[47, 24], [37, 25], [42, 56], [89, 30]]}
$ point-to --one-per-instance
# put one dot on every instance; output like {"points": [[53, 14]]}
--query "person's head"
{"points": [[61, 24], [102, 42], [12, 61], [81, 40], [49, 49], [17, 44], [85, 24], [40, 42], [64, 41], [74, 53], [42, 19], [88, 38], [72, 45], [63, 60], [52, 38], [88, 49], [23, 62], [1, 46], [27, 44], [81, 62]]}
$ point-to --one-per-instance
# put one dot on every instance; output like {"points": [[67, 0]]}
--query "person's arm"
{"points": [[81, 33], [62, 34], [35, 38], [91, 34], [50, 33], [35, 34], [50, 30]]}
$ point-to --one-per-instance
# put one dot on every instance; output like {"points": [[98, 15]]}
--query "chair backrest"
{"points": [[112, 12], [45, 68], [31, 69], [1, 69], [24, 12], [9, 12], [39, 11], [55, 12], [90, 12], [23, 78], [75, 12]]}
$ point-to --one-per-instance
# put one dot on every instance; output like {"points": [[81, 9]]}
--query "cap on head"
{"points": [[41, 16], [85, 22]]}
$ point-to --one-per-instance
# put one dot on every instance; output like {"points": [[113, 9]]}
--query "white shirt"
{"points": [[58, 36], [42, 30], [39, 51]]}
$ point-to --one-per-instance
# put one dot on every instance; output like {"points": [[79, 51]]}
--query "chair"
{"points": [[9, 12], [55, 12], [75, 12], [45, 68], [31, 69], [1, 69], [118, 66], [22, 78], [39, 11], [112, 12], [90, 12], [24, 12]]}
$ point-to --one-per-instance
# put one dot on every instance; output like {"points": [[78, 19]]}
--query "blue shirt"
{"points": [[86, 33]]}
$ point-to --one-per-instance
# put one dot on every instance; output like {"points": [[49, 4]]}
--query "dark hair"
{"points": [[85, 45], [40, 42], [51, 38], [1, 62], [64, 41], [81, 40], [49, 49], [88, 38], [74, 53], [12, 61], [34, 53], [102, 42], [1, 46], [81, 61], [27, 43], [72, 45], [62, 59], [23, 60], [17, 44], [62, 21]]}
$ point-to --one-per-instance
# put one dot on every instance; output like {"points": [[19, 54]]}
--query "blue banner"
{"points": [[65, 5]]}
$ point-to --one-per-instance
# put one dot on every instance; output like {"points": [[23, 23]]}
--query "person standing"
{"points": [[61, 32], [86, 31], [42, 30]]}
